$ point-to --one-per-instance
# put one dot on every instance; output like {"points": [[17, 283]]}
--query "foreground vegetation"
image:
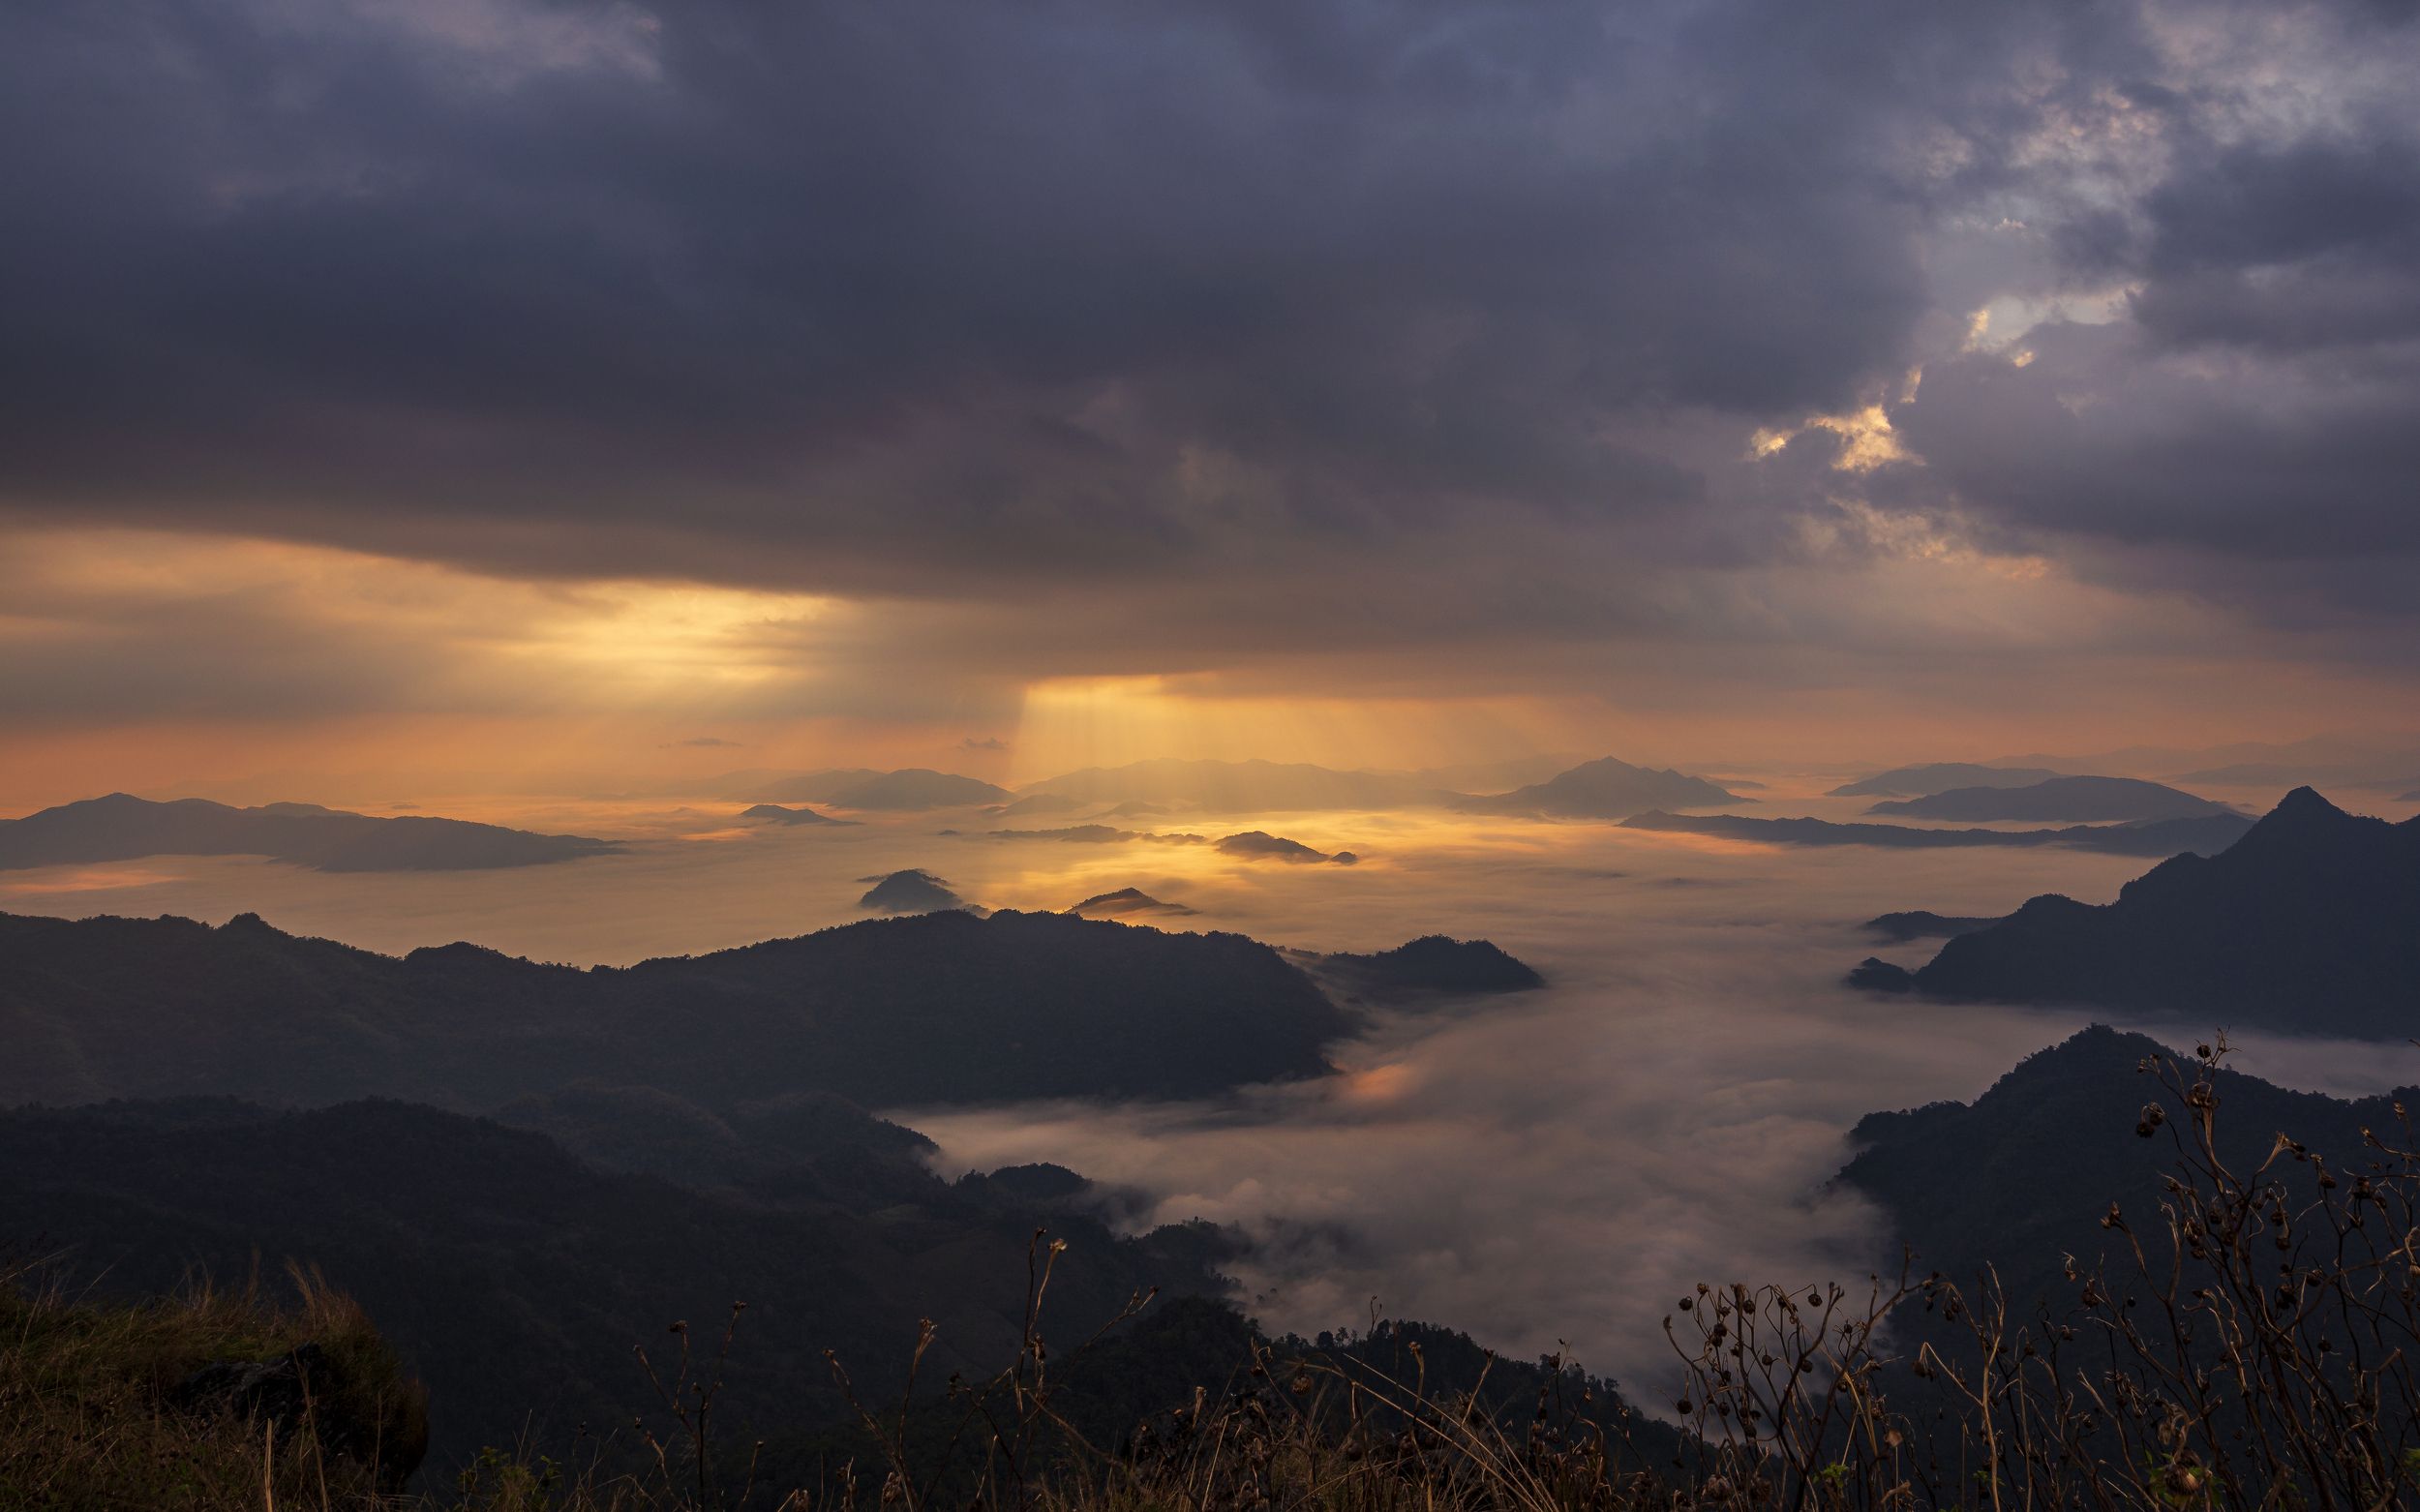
{"points": [[2252, 1349], [214, 1399]]}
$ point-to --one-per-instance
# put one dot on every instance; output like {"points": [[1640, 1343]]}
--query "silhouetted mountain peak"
{"points": [[2305, 812], [917, 788], [774, 813], [2095, 1046], [2309, 924], [1434, 964], [2305, 828], [1261, 846], [1128, 900], [911, 892], [1605, 788]]}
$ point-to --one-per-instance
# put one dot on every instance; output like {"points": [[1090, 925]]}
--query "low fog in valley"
{"points": [[1555, 1165]]}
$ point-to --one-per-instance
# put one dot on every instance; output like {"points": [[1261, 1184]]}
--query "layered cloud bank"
{"points": [[1669, 352]]}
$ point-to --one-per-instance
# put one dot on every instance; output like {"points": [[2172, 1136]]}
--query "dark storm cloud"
{"points": [[2249, 425], [1368, 321], [1076, 284], [2312, 245], [2094, 437]]}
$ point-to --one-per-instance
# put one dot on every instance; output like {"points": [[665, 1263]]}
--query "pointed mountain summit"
{"points": [[2310, 923], [1126, 902], [2303, 820]]}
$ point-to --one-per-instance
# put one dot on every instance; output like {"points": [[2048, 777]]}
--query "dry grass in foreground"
{"points": [[214, 1399]]}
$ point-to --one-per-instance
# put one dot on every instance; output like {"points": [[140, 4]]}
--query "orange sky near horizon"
{"points": [[261, 670]]}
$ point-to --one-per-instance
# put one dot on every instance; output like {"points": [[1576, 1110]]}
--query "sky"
{"points": [[528, 392]]}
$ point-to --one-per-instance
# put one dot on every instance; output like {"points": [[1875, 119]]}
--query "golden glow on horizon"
{"points": [[596, 644], [252, 670], [1074, 722], [654, 637]]}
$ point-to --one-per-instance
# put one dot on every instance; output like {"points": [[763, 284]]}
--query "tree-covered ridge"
{"points": [[942, 1008], [515, 1278], [2308, 925]]}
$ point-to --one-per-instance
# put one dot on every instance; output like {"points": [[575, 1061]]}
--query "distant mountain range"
{"points": [[774, 813], [1548, 786], [124, 828], [2057, 800], [1941, 776], [2370, 761], [1096, 834], [2206, 835], [2309, 924], [1248, 787], [909, 790], [1542, 786], [940, 1007], [2389, 773], [1604, 789], [1261, 845]]}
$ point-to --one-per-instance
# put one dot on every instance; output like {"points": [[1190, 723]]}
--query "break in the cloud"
{"points": [[1332, 346]]}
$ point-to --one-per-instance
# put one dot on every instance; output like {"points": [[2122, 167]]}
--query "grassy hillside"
{"points": [[207, 1399]]}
